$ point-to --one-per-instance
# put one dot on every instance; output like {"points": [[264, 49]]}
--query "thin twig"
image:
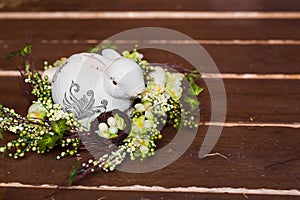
{"points": [[216, 154]]}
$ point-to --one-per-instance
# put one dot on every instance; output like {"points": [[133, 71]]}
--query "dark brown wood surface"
{"points": [[209, 29], [257, 59], [174, 5], [260, 137]]}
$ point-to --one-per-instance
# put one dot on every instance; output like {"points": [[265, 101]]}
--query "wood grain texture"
{"points": [[257, 59], [258, 158], [197, 29], [172, 5]]}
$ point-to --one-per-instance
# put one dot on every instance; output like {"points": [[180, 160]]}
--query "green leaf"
{"points": [[194, 103], [95, 49], [27, 49], [12, 54], [108, 46], [47, 141], [195, 74], [59, 127], [73, 173], [22, 53], [196, 89]]}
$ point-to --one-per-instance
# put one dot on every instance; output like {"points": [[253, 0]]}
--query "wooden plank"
{"points": [[257, 59], [177, 5], [258, 101], [197, 29], [20, 193], [154, 15], [264, 101], [258, 158]]}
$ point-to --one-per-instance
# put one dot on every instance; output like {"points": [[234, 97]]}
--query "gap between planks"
{"points": [[295, 125], [141, 188], [148, 15], [178, 42], [15, 73]]}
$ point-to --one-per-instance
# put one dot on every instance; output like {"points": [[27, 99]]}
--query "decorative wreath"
{"points": [[169, 101]]}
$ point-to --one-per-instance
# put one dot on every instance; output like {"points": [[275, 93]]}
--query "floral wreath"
{"points": [[165, 102]]}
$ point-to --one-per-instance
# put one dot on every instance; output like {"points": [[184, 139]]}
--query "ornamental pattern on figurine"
{"points": [[82, 107]]}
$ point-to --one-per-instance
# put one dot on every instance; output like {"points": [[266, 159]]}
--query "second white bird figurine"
{"points": [[89, 83]]}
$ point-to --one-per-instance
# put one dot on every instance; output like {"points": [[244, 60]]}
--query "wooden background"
{"points": [[256, 37]]}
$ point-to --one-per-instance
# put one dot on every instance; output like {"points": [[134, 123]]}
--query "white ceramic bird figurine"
{"points": [[89, 83]]}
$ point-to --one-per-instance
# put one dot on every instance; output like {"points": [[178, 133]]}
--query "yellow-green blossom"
{"points": [[174, 92], [156, 87], [173, 86], [36, 111], [120, 123], [139, 122]]}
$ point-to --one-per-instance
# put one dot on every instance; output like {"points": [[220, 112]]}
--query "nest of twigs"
{"points": [[103, 117]]}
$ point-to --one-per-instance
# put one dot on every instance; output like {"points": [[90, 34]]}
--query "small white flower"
{"points": [[149, 114], [144, 149], [158, 75], [139, 107], [148, 124]]}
